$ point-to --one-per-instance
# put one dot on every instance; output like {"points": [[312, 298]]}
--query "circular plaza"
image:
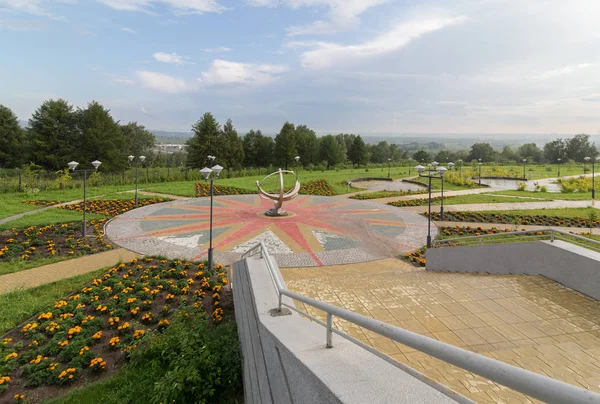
{"points": [[318, 231]]}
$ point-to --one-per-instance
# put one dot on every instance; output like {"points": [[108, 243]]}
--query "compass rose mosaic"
{"points": [[317, 231]]}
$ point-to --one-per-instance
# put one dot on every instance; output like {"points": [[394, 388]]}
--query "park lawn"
{"points": [[534, 172], [572, 196], [49, 216], [436, 184], [565, 212], [479, 198], [20, 304]]}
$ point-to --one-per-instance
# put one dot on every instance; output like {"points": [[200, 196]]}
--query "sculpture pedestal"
{"points": [[274, 212]]}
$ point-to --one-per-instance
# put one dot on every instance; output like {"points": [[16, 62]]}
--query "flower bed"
{"points": [[541, 220], [92, 331], [111, 207], [55, 240], [317, 187], [457, 231], [417, 202], [41, 203], [417, 257], [203, 189], [385, 194]]}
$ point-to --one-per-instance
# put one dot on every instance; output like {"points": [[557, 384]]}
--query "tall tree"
{"points": [[266, 150], [250, 145], [358, 152], [483, 151], [380, 152], [579, 147], [204, 142], [52, 135], [307, 145], [554, 150], [422, 156], [233, 150], [138, 140], [11, 139], [101, 138], [330, 151], [285, 145], [531, 152]]}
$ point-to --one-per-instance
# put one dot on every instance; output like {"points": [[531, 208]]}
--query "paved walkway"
{"points": [[506, 206], [526, 321], [434, 194], [30, 278], [502, 226]]}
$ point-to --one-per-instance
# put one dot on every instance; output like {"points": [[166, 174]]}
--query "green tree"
{"points": [[266, 150], [11, 139], [531, 152], [204, 142], [483, 151], [52, 135], [101, 138], [579, 147], [554, 150], [307, 145], [233, 150], [285, 145], [422, 157], [358, 152], [380, 152], [444, 157], [250, 145], [138, 140], [330, 151], [508, 155]]}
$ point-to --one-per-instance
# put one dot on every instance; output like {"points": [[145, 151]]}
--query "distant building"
{"points": [[168, 148]]}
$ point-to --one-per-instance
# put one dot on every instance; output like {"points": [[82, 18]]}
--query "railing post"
{"points": [[552, 236], [280, 296], [480, 240], [329, 326]]}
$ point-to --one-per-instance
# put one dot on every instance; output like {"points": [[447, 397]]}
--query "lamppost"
{"points": [[524, 166], [480, 164], [459, 161], [558, 167], [409, 164], [137, 167], [73, 165], [389, 162], [450, 164], [297, 158], [587, 159], [206, 173], [441, 171]]}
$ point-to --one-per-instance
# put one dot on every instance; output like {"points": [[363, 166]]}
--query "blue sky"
{"points": [[361, 66]]}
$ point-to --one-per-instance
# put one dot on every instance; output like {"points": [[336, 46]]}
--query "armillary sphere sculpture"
{"points": [[282, 196]]}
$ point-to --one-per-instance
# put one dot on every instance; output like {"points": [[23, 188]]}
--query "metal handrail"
{"points": [[530, 383], [553, 233]]}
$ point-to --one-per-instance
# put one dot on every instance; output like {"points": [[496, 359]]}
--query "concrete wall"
{"points": [[285, 359], [575, 267]]}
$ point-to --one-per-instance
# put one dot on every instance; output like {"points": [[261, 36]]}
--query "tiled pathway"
{"points": [[527, 321]]}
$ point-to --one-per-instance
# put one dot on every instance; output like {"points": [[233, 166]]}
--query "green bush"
{"points": [[521, 186], [579, 184]]}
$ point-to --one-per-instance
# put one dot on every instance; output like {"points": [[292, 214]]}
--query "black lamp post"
{"points": [[558, 166], [459, 161], [389, 162], [206, 173], [587, 159], [137, 168], [441, 171], [524, 167], [73, 165], [480, 164]]}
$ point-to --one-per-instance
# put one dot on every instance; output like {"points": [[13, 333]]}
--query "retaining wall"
{"points": [[285, 359], [575, 267]]}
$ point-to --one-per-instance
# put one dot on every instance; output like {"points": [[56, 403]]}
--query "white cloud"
{"points": [[326, 54], [262, 3], [216, 50], [165, 83], [565, 70], [144, 110], [34, 7], [171, 58], [225, 72], [129, 30], [122, 80], [178, 7]]}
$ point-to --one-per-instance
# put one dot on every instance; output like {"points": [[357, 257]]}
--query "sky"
{"points": [[353, 66]]}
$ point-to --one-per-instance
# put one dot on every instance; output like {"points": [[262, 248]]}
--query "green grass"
{"points": [[568, 212], [436, 184], [19, 305], [532, 171], [573, 196], [49, 216]]}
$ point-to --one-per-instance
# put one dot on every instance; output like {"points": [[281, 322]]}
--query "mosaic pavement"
{"points": [[527, 321], [319, 230]]}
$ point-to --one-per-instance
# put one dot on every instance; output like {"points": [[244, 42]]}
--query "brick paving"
{"points": [[526, 321], [30, 278], [506, 206]]}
